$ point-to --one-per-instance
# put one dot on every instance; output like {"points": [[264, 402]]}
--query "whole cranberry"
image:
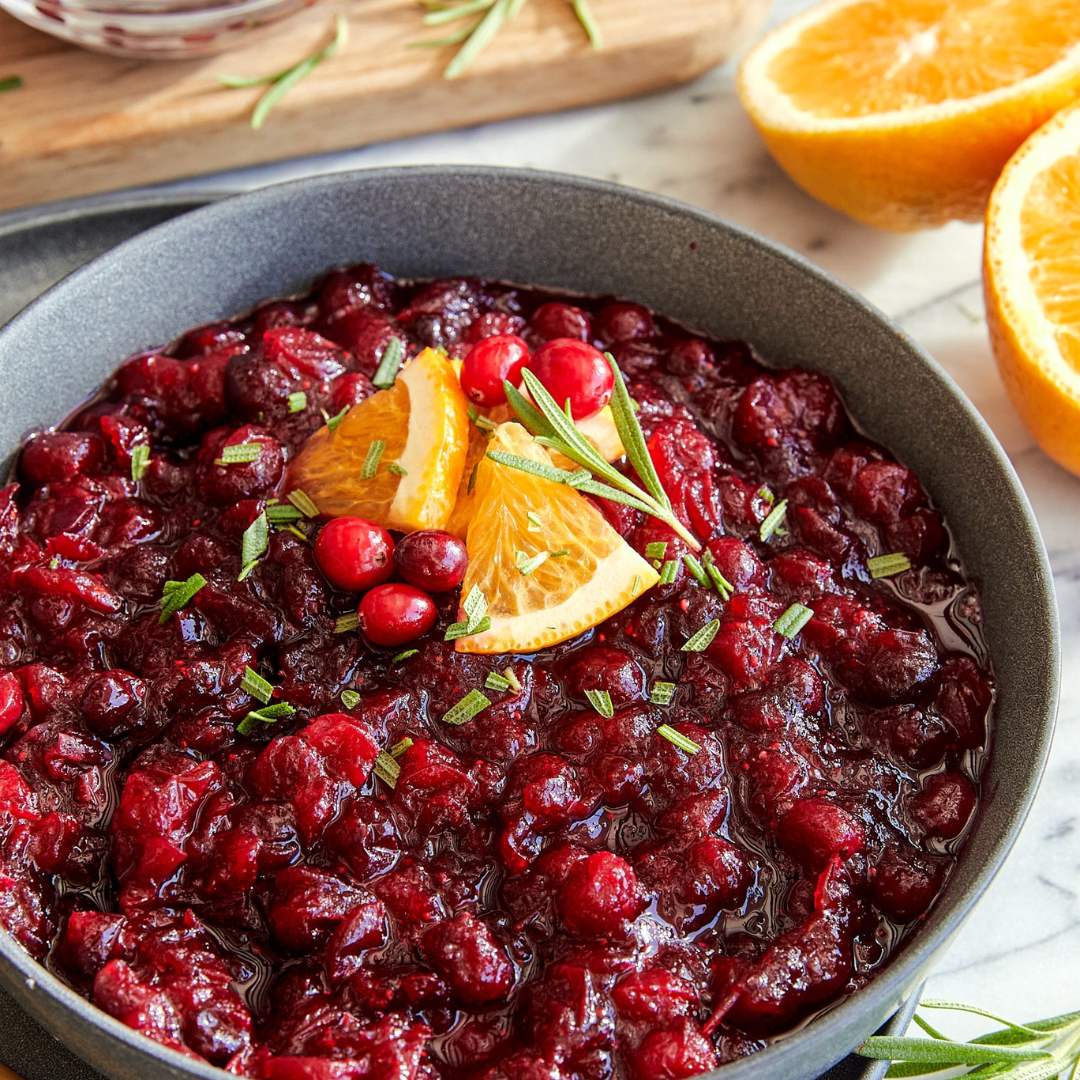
{"points": [[395, 614], [559, 320], [491, 361], [354, 553], [432, 560], [600, 894], [624, 322], [574, 371]]}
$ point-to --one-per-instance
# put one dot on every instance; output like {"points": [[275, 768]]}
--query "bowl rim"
{"points": [[907, 968]]}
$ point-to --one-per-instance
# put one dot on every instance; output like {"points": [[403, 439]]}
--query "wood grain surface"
{"points": [[85, 123]]}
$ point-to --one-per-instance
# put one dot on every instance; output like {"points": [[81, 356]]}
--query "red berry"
{"points": [[432, 560], [396, 614], [490, 361], [574, 371], [558, 320], [354, 553], [600, 894]]}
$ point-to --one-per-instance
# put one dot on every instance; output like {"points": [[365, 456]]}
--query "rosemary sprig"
{"points": [[11, 82], [1039, 1050], [556, 430], [283, 81]]}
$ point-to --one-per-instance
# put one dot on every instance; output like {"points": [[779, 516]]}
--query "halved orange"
{"points": [[1031, 278], [424, 424], [549, 577], [902, 113]]}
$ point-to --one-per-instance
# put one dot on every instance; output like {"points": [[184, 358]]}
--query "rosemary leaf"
{"points": [[585, 16]]}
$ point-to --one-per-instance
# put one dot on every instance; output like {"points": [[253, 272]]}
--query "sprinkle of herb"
{"points": [[656, 550], [396, 469], [662, 693], [481, 422], [334, 422], [527, 566], [346, 622], [176, 594], [600, 700], [280, 514], [371, 462], [253, 544], [765, 493], [387, 371], [793, 620], [676, 738], [888, 565], [239, 453], [723, 586], [140, 459], [470, 705], [495, 681], [400, 747], [463, 629], [703, 638], [295, 531], [561, 554], [669, 572], [303, 503], [269, 714], [475, 605], [350, 699], [282, 82], [696, 570], [472, 477], [772, 521], [12, 82], [512, 679], [535, 524], [387, 769], [540, 468], [297, 401], [635, 585], [404, 656], [256, 686]]}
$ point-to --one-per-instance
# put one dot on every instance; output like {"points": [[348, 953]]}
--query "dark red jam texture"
{"points": [[547, 894]]}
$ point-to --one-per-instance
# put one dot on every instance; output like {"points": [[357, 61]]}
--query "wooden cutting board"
{"points": [[86, 123]]}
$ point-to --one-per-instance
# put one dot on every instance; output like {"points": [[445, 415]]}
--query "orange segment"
{"points": [[902, 113], [423, 421], [562, 596], [1031, 278]]}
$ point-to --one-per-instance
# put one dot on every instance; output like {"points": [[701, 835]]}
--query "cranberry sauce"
{"points": [[546, 891]]}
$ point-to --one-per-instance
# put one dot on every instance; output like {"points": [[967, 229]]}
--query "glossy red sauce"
{"points": [[547, 893]]}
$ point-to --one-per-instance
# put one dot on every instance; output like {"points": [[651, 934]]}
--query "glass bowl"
{"points": [[152, 29]]}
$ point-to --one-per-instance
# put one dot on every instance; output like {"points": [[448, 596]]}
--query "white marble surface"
{"points": [[1020, 951]]}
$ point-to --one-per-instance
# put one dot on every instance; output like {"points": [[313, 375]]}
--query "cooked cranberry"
{"points": [[558, 320], [359, 286], [624, 322], [944, 805], [467, 956], [11, 701], [494, 322], [226, 481], [396, 614], [600, 894], [110, 700], [814, 830], [674, 1054], [603, 667], [491, 362], [354, 553], [906, 882], [60, 455], [432, 560], [350, 390], [574, 371]]}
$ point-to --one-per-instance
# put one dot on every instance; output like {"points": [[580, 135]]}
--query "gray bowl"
{"points": [[590, 237]]}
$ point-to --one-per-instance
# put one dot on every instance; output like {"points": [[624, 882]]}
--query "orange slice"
{"points": [[902, 113], [1031, 278], [560, 596], [423, 422]]}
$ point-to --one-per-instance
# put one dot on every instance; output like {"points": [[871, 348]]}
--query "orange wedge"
{"points": [[560, 595], [1031, 278], [424, 424], [902, 113]]}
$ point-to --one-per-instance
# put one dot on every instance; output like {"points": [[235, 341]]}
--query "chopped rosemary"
{"points": [[888, 565], [280, 514], [773, 520], [723, 586], [400, 746], [303, 503], [333, 422], [512, 679], [269, 714], [676, 738], [346, 622], [495, 681], [527, 566], [635, 585], [535, 524], [283, 81], [793, 620], [656, 550], [472, 477], [11, 82], [389, 364], [350, 699], [470, 705], [765, 493], [481, 422], [295, 531], [239, 453], [703, 638], [371, 462], [463, 629], [662, 693], [140, 459], [396, 469], [253, 544], [176, 594], [387, 769], [297, 401], [540, 468], [696, 570], [560, 554], [256, 686], [600, 700], [669, 572], [404, 656]]}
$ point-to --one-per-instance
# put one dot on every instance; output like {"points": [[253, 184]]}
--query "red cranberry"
{"points": [[675, 1054], [468, 957], [355, 554], [559, 320], [60, 455], [396, 614], [906, 882], [494, 322], [943, 807], [432, 560], [491, 361], [576, 372], [814, 830], [11, 701], [603, 667], [600, 894], [624, 322]]}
